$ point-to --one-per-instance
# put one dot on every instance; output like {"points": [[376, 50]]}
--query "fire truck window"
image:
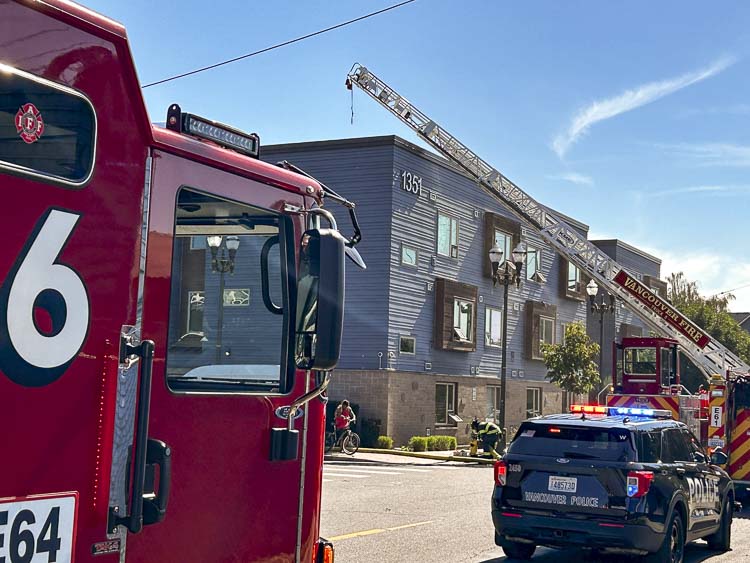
{"points": [[640, 361], [46, 129], [222, 337], [665, 367]]}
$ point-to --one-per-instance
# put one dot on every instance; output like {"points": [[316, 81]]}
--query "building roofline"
{"points": [[355, 142], [626, 246]]}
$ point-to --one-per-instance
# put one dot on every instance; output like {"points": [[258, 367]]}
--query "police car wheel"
{"points": [[518, 550], [672, 549], [722, 538]]}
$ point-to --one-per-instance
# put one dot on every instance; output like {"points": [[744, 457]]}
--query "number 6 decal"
{"points": [[32, 355]]}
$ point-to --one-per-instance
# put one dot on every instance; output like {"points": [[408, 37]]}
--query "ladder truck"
{"points": [[726, 372]]}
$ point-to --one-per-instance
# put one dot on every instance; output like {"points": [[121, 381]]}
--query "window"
{"points": [[546, 331], [574, 278], [563, 328], [494, 400], [445, 402], [463, 320], [675, 447], [640, 361], [533, 401], [233, 342], [582, 442], [57, 136], [493, 327], [407, 344], [198, 243], [236, 297], [408, 255], [194, 324], [649, 446], [504, 242], [455, 316], [447, 243], [533, 262]]}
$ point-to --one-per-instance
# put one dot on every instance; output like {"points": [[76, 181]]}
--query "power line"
{"points": [[278, 45], [731, 290]]}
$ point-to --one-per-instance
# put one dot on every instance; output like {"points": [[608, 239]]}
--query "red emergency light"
{"points": [[588, 409]]}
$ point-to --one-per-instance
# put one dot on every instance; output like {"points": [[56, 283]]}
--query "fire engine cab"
{"points": [[170, 312]]}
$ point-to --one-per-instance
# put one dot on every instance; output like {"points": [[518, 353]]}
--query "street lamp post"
{"points": [[222, 265], [507, 272], [592, 289]]}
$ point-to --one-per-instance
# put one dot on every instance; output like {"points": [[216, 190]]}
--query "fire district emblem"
{"points": [[29, 123]]}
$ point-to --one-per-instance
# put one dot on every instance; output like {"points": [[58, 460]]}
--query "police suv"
{"points": [[616, 480]]}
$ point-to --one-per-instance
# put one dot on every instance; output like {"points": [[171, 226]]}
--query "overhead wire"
{"points": [[731, 290], [278, 45]]}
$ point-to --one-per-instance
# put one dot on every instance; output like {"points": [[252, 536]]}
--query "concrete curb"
{"points": [[427, 455]]}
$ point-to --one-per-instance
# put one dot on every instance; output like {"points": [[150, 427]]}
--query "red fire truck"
{"points": [[170, 311]]}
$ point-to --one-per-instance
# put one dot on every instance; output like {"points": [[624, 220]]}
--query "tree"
{"points": [[572, 364], [712, 315]]}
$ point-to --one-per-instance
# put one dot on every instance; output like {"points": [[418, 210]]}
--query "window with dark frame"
{"points": [[445, 403], [504, 241], [463, 320], [494, 400], [198, 243], [447, 237], [574, 278], [533, 401], [407, 345], [194, 320]]}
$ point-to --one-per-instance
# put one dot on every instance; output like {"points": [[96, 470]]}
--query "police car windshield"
{"points": [[574, 442]]}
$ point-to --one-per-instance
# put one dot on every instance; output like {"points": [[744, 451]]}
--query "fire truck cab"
{"points": [[646, 366], [170, 311]]}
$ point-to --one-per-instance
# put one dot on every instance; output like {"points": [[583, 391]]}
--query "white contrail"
{"points": [[631, 99]]}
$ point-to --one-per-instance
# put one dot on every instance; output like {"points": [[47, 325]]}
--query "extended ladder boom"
{"points": [[709, 355]]}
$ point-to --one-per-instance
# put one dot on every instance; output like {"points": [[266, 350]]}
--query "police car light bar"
{"points": [[223, 135], [588, 409], [620, 411]]}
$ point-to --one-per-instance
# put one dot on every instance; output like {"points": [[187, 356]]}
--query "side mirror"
{"points": [[320, 300], [719, 458], [699, 457]]}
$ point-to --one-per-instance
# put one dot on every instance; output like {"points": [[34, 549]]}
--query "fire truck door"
{"points": [[215, 302]]}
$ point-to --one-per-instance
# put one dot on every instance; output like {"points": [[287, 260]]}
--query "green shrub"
{"points": [[441, 443], [417, 443], [385, 442]]}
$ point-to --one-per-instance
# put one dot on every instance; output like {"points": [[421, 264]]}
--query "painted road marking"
{"points": [[377, 531], [370, 471], [353, 476]]}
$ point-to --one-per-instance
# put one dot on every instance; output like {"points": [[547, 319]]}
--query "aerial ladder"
{"points": [[710, 356], [728, 425]]}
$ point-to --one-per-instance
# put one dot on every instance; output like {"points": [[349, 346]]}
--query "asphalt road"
{"points": [[419, 510]]}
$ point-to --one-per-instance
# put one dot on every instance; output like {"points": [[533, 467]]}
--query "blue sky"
{"points": [[633, 121]]}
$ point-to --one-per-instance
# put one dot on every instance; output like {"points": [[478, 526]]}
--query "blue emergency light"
{"points": [[639, 411]]}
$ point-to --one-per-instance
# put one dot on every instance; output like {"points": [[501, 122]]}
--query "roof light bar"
{"points": [[223, 135], [620, 411], [588, 409]]}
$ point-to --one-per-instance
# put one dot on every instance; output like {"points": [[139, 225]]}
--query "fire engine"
{"points": [[728, 425], [170, 313]]}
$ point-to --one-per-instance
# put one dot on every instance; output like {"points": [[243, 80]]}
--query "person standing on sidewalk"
{"points": [[488, 433]]}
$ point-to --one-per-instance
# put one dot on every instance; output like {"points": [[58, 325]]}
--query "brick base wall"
{"points": [[404, 402]]}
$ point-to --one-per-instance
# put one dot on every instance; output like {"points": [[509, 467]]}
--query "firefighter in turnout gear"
{"points": [[488, 433]]}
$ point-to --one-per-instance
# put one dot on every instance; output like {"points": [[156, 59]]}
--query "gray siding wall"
{"points": [[412, 304], [363, 173]]}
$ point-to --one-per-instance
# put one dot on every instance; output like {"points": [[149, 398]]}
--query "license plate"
{"points": [[562, 484], [38, 529]]}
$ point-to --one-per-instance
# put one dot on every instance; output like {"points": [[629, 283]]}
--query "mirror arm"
{"points": [[307, 397], [325, 213]]}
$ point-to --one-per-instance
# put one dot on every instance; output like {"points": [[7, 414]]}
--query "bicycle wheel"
{"points": [[330, 441], [350, 444]]}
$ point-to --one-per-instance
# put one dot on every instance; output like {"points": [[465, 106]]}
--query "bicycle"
{"points": [[348, 440]]}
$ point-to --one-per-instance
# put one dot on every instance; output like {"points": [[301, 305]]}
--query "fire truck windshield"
{"points": [[640, 361], [226, 322]]}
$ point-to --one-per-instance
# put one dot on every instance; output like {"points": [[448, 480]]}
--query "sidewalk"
{"points": [[398, 456]]}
